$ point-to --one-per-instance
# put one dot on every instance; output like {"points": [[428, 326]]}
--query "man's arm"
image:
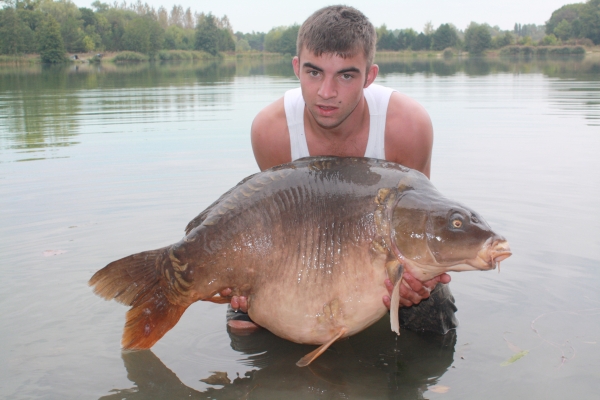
{"points": [[270, 136], [408, 134], [409, 141]]}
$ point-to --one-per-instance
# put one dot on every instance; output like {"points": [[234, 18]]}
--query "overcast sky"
{"points": [[262, 15]]}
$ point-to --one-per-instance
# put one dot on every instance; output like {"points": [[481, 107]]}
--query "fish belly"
{"points": [[314, 312]]}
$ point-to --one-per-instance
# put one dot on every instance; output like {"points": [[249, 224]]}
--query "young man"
{"points": [[339, 111]]}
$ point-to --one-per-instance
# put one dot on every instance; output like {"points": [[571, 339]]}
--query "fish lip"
{"points": [[493, 251], [499, 250]]}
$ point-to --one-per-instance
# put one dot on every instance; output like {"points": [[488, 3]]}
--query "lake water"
{"points": [[99, 162]]}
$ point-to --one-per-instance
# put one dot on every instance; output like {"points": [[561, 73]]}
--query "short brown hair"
{"points": [[340, 30]]}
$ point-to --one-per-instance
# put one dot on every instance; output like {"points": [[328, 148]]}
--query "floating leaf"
{"points": [[515, 358], [514, 348], [439, 389]]}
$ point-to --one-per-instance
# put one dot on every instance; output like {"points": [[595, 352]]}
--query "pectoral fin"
{"points": [[310, 357], [395, 271]]}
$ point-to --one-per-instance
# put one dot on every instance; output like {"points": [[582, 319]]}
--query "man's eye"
{"points": [[346, 77], [313, 73]]}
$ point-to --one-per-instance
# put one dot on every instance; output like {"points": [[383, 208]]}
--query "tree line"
{"points": [[30, 26], [571, 24], [54, 28]]}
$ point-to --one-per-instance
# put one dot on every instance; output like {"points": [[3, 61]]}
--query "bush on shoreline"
{"points": [[541, 51], [130, 56]]}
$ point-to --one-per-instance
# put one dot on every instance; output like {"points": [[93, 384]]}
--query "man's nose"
{"points": [[328, 89]]}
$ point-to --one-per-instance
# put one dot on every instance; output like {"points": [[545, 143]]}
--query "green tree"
{"points": [[422, 42], [225, 40], [88, 17], [590, 21], [144, 35], [569, 12], [177, 38], [386, 40], [549, 40], [477, 38], [581, 20], [406, 38], [68, 16], [11, 38], [116, 20], [207, 35], [282, 39], [31, 20], [444, 36], [505, 39], [256, 40], [242, 45], [51, 46], [563, 30]]}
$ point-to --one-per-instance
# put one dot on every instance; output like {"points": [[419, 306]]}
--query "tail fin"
{"points": [[135, 281]]}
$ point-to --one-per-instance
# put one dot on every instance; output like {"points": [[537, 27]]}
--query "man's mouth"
{"points": [[326, 109]]}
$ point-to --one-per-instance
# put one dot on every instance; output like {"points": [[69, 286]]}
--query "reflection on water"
{"points": [[44, 108], [126, 155], [374, 363]]}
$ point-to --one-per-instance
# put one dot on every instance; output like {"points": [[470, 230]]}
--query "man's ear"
{"points": [[296, 65], [371, 75]]}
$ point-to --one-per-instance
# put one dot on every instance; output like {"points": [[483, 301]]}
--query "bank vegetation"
{"points": [[52, 31]]}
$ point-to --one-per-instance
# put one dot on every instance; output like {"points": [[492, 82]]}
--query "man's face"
{"points": [[332, 86]]}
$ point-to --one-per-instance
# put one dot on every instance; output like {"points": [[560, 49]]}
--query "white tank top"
{"points": [[378, 98]]}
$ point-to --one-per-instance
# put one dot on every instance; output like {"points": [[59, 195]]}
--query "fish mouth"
{"points": [[493, 252]]}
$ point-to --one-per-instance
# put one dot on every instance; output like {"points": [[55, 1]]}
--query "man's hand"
{"points": [[237, 302], [412, 291]]}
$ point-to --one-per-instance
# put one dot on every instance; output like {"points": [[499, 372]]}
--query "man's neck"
{"points": [[349, 138], [355, 123]]}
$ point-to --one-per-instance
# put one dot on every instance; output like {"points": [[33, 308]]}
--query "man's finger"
{"points": [[417, 287], [387, 301], [389, 286], [243, 301], [445, 278], [235, 303]]}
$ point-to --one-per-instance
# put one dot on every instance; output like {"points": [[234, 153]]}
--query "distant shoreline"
{"points": [[189, 55]]}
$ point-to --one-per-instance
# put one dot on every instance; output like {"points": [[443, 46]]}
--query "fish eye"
{"points": [[457, 220]]}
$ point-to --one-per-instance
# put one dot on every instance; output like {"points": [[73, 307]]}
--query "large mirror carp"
{"points": [[310, 243]]}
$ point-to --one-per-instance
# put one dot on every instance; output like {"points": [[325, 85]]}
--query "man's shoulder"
{"points": [[408, 133], [270, 136], [270, 118], [407, 110]]}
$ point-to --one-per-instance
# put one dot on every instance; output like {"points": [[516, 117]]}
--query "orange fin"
{"points": [[126, 279], [134, 281], [149, 319], [310, 357]]}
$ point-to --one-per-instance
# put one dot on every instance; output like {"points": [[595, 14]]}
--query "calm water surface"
{"points": [[97, 163]]}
